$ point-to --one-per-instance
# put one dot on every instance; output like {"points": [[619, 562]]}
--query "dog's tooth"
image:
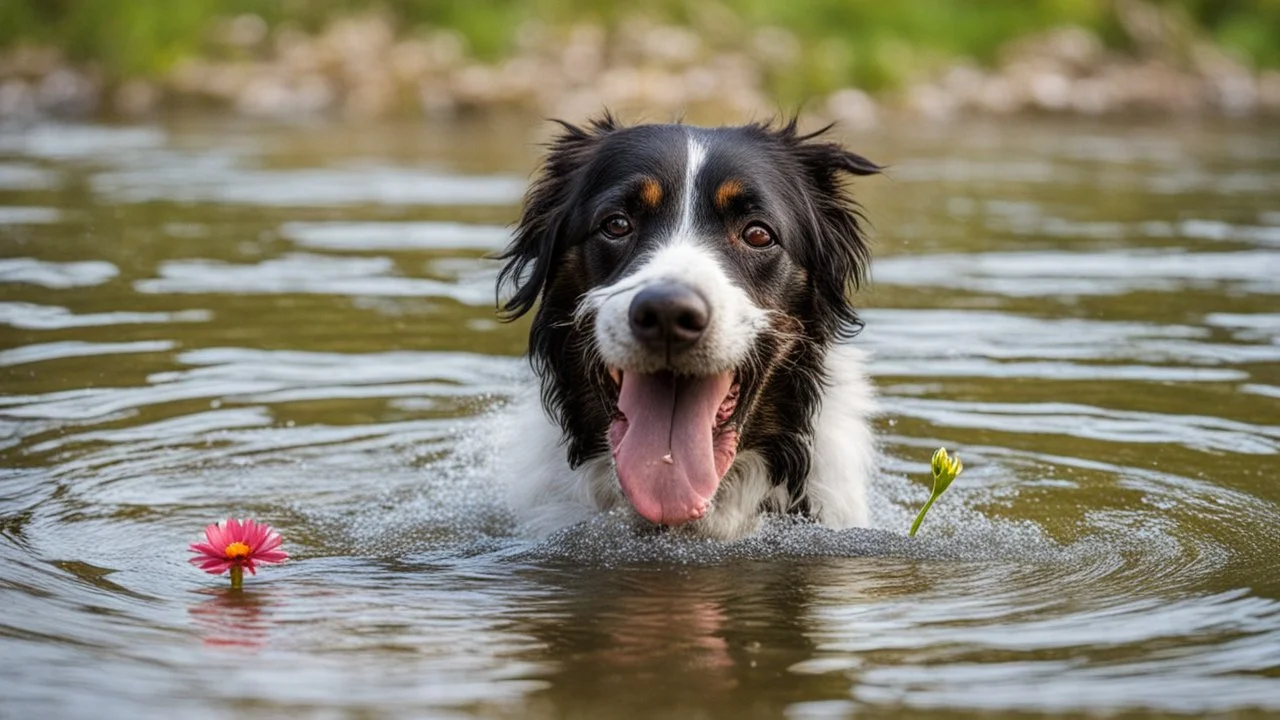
{"points": [[668, 459]]}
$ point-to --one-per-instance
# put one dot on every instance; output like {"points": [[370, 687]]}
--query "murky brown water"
{"points": [[295, 323]]}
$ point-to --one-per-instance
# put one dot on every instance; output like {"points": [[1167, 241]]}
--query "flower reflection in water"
{"points": [[234, 618]]}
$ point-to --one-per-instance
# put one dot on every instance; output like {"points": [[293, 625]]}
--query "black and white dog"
{"points": [[692, 291]]}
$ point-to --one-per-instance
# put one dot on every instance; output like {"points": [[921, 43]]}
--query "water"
{"points": [[296, 323]]}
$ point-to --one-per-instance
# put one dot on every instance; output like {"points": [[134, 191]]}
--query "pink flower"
{"points": [[237, 544]]}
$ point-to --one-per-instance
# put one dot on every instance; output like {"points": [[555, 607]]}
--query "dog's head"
{"points": [[688, 282]]}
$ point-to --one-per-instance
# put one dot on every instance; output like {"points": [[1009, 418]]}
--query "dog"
{"points": [[692, 288]]}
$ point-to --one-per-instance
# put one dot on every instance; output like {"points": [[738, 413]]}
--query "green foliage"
{"points": [[125, 36], [878, 44], [1250, 28], [870, 43]]}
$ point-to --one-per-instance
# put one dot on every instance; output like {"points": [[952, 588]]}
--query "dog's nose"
{"points": [[669, 315]]}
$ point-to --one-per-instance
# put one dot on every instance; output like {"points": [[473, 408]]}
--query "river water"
{"points": [[295, 323]]}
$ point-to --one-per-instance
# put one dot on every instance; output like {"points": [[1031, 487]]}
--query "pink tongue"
{"points": [[666, 458]]}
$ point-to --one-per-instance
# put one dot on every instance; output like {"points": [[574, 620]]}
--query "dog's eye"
{"points": [[757, 236], [616, 226]]}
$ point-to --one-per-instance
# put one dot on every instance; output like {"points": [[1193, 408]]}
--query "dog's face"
{"points": [[690, 280]]}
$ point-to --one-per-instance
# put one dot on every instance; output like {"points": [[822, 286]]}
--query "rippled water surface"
{"points": [[296, 323]]}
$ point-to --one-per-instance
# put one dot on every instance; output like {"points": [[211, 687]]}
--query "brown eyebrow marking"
{"points": [[729, 190], [651, 193]]}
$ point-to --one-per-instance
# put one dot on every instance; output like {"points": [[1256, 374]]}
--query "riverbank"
{"points": [[364, 67]]}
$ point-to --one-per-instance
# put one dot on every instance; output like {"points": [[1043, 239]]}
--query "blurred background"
{"points": [[245, 268], [838, 59]]}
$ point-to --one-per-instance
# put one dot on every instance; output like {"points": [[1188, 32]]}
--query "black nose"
{"points": [[669, 315]]}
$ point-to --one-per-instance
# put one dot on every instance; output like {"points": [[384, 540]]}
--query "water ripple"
{"points": [[217, 183], [1048, 273], [19, 215], [54, 141], [306, 273], [56, 275], [24, 176], [75, 348], [1192, 431], [952, 334], [385, 236], [30, 316]]}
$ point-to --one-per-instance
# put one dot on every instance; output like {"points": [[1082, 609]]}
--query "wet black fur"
{"points": [[794, 184]]}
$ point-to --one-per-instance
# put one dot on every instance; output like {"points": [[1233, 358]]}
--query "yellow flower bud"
{"points": [[945, 469]]}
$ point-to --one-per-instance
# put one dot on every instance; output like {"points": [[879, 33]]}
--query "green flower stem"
{"points": [[920, 518], [237, 576]]}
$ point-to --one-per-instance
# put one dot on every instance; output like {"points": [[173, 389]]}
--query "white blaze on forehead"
{"points": [[695, 156]]}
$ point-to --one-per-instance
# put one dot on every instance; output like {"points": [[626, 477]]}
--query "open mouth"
{"points": [[673, 441]]}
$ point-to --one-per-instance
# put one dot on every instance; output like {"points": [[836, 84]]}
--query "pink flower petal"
{"points": [[212, 566], [273, 556], [257, 533], [205, 549], [271, 542], [226, 538], [214, 534], [248, 563]]}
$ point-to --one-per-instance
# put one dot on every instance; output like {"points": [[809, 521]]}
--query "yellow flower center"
{"points": [[237, 551]]}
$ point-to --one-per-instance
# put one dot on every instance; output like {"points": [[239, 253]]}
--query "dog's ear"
{"points": [[537, 242], [838, 258]]}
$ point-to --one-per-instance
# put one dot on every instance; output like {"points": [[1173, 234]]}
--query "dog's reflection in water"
{"points": [[667, 640]]}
